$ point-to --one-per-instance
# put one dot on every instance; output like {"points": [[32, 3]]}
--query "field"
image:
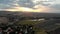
{"points": [[37, 30]]}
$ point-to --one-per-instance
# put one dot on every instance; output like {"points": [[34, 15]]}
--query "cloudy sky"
{"points": [[52, 6]]}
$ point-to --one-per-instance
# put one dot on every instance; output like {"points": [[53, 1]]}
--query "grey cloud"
{"points": [[56, 6], [23, 3], [29, 4], [26, 3], [7, 4]]}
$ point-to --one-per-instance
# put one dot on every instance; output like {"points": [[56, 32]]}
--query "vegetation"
{"points": [[37, 30]]}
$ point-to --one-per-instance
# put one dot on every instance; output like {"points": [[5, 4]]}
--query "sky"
{"points": [[46, 6]]}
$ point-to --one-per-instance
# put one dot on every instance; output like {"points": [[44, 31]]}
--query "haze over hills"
{"points": [[33, 14]]}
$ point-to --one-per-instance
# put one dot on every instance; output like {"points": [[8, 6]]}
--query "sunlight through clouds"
{"points": [[28, 5]]}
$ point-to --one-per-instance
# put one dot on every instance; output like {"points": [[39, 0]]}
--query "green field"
{"points": [[37, 30]]}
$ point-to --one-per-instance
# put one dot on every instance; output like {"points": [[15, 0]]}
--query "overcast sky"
{"points": [[50, 5]]}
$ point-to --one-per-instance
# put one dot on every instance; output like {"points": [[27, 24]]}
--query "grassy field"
{"points": [[37, 30]]}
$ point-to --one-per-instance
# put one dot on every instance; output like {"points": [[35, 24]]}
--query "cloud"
{"points": [[37, 5], [38, 8], [27, 8], [56, 8], [23, 3]]}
